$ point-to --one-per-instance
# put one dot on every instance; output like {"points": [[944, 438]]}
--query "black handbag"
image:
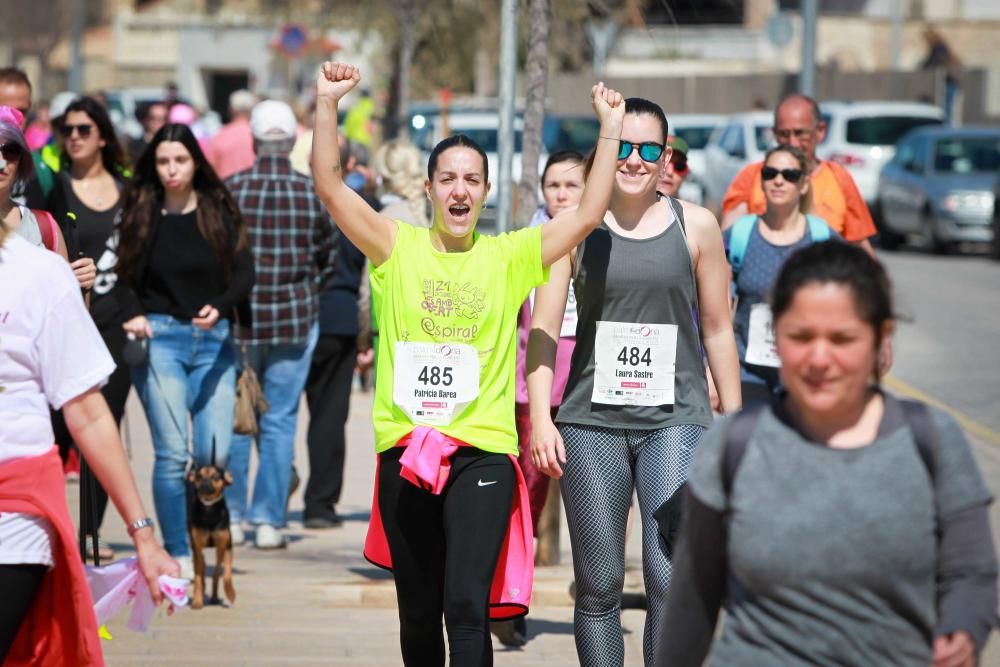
{"points": [[136, 351]]}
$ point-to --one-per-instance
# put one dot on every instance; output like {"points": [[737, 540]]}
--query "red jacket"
{"points": [[61, 628]]}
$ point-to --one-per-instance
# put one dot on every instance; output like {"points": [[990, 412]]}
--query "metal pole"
{"points": [[897, 34], [807, 78], [76, 57], [407, 46], [508, 81]]}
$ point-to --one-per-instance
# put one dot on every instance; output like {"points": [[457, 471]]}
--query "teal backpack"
{"points": [[739, 238]]}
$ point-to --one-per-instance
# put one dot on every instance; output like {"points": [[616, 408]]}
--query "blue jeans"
{"points": [[190, 371], [282, 370]]}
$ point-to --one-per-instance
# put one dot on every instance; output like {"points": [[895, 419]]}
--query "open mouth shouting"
{"points": [[460, 212]]}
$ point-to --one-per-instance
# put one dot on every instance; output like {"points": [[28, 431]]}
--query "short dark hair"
{"points": [[841, 264], [639, 105], [14, 75], [559, 157], [454, 141], [344, 149], [799, 97], [143, 109]]}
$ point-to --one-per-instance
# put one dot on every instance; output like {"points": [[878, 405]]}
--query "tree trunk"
{"points": [[548, 528], [408, 17], [536, 77]]}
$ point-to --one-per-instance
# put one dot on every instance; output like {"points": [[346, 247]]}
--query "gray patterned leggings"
{"points": [[603, 466]]}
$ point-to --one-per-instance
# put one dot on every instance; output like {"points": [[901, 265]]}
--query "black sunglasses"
{"points": [[11, 152], [680, 165], [650, 151], [84, 129], [790, 175]]}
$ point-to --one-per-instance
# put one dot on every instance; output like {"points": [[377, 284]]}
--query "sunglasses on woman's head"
{"points": [[10, 152], [84, 130], [790, 175], [650, 151]]}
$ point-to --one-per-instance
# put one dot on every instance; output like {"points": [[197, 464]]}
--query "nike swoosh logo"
{"points": [[482, 483]]}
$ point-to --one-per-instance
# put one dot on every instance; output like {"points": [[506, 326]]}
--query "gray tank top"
{"points": [[28, 229], [642, 281]]}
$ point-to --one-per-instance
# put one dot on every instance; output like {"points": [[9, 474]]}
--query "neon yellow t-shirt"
{"points": [[422, 295]]}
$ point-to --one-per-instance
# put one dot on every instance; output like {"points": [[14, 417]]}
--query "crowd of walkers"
{"points": [[611, 344]]}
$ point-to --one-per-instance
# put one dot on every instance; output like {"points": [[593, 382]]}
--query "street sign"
{"points": [[779, 29]]}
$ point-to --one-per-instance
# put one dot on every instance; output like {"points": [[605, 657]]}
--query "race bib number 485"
{"points": [[433, 382], [634, 364]]}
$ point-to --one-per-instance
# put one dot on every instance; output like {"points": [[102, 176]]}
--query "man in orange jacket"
{"points": [[835, 197]]}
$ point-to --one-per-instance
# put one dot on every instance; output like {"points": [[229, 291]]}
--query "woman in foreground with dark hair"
{"points": [[850, 527], [451, 511], [186, 268]]}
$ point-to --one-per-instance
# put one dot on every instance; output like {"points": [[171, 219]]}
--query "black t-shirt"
{"points": [[93, 229], [183, 273]]}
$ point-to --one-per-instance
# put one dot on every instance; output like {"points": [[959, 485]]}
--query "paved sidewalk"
{"points": [[318, 602]]}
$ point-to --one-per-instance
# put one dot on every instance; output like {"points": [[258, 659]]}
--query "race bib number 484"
{"points": [[634, 364], [433, 382], [761, 348]]}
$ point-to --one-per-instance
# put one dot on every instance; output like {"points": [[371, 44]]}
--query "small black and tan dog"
{"points": [[208, 525]]}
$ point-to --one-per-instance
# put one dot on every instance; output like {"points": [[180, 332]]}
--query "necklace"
{"points": [[96, 200]]}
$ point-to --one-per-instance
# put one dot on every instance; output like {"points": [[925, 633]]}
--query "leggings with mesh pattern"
{"points": [[603, 467]]}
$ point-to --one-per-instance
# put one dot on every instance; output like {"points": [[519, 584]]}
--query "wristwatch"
{"points": [[139, 524]]}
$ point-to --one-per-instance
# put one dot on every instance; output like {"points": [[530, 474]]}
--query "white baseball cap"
{"points": [[272, 120]]}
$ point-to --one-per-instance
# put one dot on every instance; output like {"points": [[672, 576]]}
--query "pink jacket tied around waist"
{"points": [[426, 463]]}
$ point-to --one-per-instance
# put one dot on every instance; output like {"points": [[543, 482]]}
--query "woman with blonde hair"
{"points": [[399, 168]]}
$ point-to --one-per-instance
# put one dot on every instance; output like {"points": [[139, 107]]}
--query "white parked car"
{"points": [[862, 136], [741, 140], [695, 129]]}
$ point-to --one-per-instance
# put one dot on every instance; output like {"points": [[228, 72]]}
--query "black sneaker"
{"points": [[634, 601], [323, 522], [508, 634]]}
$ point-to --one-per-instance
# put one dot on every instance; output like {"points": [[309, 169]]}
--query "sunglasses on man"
{"points": [[680, 165], [790, 175], [84, 130], [11, 152], [649, 151], [798, 133]]}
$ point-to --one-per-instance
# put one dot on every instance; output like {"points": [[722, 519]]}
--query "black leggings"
{"points": [[444, 552], [115, 392], [19, 584]]}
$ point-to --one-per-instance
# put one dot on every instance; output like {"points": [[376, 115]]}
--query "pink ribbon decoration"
{"points": [[11, 115], [121, 583], [426, 461]]}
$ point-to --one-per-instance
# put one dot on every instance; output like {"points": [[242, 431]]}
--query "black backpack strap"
{"points": [[925, 433], [735, 441]]}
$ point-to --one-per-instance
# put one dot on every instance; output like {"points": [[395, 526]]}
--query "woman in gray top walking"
{"points": [[652, 300], [849, 527]]}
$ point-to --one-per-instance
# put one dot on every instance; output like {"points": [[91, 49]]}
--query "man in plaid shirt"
{"points": [[293, 243]]}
